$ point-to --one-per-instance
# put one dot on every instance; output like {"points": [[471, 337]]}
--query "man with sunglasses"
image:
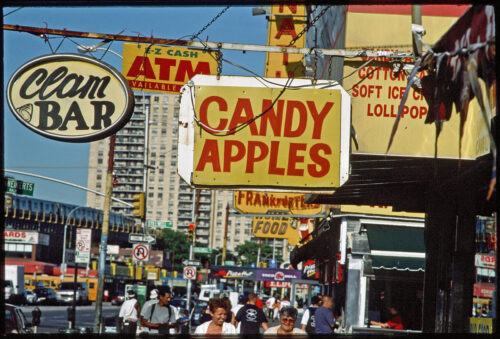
{"points": [[288, 316]]}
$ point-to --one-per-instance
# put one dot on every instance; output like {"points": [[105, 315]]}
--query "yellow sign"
{"points": [[163, 69], [280, 203], [380, 210], [377, 92], [275, 227], [285, 23], [295, 144], [70, 97], [481, 325]]}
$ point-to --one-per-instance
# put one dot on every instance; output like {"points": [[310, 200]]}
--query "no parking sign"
{"points": [[140, 252], [190, 272]]}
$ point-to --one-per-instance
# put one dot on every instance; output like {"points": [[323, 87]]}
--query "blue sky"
{"points": [[27, 151]]}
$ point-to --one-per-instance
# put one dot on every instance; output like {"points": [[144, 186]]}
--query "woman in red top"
{"points": [[395, 323]]}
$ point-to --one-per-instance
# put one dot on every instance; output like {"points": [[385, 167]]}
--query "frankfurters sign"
{"points": [[300, 143], [70, 97], [163, 68]]}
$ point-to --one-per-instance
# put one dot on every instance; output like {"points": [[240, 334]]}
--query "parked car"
{"points": [[200, 306], [117, 299], [65, 293], [15, 321], [45, 296], [30, 297]]}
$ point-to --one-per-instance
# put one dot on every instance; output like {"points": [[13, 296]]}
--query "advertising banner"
{"points": [[83, 243], [164, 68], [250, 134], [484, 290], [284, 284], [293, 204], [285, 23], [276, 227], [379, 210], [233, 272], [378, 87], [269, 274], [26, 237], [485, 260], [70, 97]]}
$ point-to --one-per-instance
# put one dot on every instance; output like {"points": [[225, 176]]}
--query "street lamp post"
{"points": [[217, 256], [63, 264]]}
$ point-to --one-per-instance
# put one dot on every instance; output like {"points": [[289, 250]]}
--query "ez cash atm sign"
{"points": [[163, 69]]}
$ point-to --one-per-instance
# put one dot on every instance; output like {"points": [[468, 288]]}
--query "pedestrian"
{"points": [[269, 305], [323, 317], [160, 317], [230, 315], [285, 302], [395, 323], [276, 308], [129, 313], [288, 316], [153, 299], [218, 311], [308, 323], [242, 300], [183, 323], [251, 317]]}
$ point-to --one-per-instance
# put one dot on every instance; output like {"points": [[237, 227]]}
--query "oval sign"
{"points": [[70, 97]]}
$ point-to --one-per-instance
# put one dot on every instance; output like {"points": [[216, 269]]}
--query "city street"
{"points": [[56, 317]]}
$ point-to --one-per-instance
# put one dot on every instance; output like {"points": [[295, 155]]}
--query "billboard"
{"points": [[377, 89], [70, 97], [164, 69], [285, 23], [276, 227], [243, 132]]}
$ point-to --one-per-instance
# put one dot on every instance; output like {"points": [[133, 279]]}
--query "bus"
{"points": [[91, 283], [51, 281]]}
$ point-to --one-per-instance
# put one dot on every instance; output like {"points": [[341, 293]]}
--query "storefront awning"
{"points": [[396, 247], [398, 263]]}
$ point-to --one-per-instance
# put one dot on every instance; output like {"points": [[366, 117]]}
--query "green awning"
{"points": [[398, 263], [395, 247], [395, 238]]}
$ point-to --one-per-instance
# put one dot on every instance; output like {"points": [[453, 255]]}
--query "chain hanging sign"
{"points": [[243, 132], [70, 97]]}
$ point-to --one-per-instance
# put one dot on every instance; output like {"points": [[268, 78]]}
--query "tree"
{"points": [[247, 252], [177, 243], [217, 253]]}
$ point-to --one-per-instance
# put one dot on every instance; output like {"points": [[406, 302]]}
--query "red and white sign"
{"points": [[283, 284], [484, 290], [26, 237], [485, 260], [140, 252], [83, 241], [190, 272]]}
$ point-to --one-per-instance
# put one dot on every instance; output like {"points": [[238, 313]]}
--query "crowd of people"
{"points": [[249, 316]]}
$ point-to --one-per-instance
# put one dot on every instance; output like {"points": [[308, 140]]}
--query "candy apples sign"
{"points": [[70, 97], [241, 132]]}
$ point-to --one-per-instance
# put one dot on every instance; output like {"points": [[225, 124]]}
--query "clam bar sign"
{"points": [[70, 97], [242, 132]]}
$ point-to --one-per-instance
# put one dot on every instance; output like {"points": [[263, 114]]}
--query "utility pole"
{"points": [[104, 236], [225, 236], [257, 265], [194, 220]]}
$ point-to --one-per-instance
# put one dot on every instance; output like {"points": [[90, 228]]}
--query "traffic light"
{"points": [[139, 206], [191, 232]]}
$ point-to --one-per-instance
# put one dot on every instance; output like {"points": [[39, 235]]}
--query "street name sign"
{"points": [[202, 250], [159, 224], [140, 238], [26, 188], [192, 262]]}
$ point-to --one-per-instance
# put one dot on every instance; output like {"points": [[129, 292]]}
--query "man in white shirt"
{"points": [[129, 313], [242, 300], [307, 323], [269, 305]]}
